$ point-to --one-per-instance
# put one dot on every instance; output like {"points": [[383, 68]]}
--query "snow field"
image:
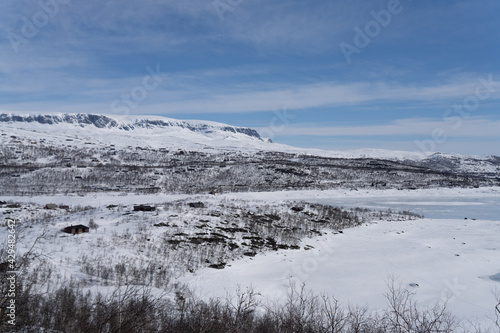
{"points": [[451, 261]]}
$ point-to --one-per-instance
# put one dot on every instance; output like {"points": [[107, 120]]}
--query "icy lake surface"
{"points": [[487, 208]]}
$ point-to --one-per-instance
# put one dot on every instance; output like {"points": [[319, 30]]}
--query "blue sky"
{"points": [[405, 75]]}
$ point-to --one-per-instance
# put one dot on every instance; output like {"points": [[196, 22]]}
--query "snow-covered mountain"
{"points": [[85, 120], [156, 132], [150, 131]]}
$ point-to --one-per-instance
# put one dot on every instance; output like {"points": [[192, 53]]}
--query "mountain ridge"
{"points": [[126, 123], [159, 131]]}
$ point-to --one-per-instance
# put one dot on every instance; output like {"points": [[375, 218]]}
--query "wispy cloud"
{"points": [[207, 91], [321, 95], [473, 127]]}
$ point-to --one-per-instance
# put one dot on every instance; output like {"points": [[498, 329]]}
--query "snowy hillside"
{"points": [[84, 153], [124, 131], [157, 131]]}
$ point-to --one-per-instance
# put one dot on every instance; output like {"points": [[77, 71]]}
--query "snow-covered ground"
{"points": [[446, 255], [448, 258], [454, 260]]}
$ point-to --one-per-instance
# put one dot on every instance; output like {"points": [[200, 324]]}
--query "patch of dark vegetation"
{"points": [[218, 266]]}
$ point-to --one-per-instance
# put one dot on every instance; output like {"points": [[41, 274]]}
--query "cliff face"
{"points": [[103, 121]]}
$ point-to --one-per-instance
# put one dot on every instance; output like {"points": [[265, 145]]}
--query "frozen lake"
{"points": [[486, 208], [439, 203]]}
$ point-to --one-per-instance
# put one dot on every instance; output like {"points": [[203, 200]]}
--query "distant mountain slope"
{"points": [[126, 134], [125, 123], [131, 131]]}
